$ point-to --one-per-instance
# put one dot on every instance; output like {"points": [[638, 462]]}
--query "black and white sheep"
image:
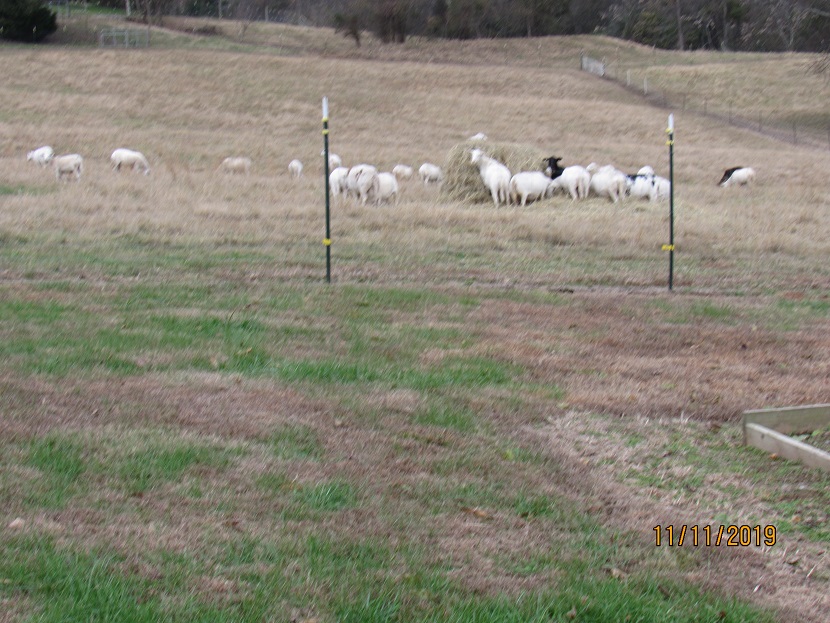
{"points": [[737, 175]]}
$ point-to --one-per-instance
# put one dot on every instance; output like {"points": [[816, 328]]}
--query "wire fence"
{"points": [[797, 134], [123, 38]]}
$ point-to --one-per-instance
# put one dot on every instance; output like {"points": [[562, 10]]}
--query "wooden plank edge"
{"points": [[791, 420], [777, 443]]}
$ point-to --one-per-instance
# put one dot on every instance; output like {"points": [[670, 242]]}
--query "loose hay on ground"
{"points": [[462, 181]]}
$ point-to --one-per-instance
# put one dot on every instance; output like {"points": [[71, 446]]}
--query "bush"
{"points": [[26, 20]]}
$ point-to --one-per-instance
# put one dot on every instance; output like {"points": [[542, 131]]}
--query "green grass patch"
{"points": [[296, 442], [447, 414], [325, 497], [157, 465], [61, 461]]}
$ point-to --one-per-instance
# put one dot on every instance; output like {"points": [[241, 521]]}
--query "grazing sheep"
{"points": [[402, 171], [387, 188], [430, 173], [530, 185], [639, 186], [68, 164], [737, 175], [363, 183], [42, 155], [129, 158], [494, 174], [607, 181], [334, 160], [574, 180], [660, 189], [337, 182], [295, 168], [480, 136], [646, 185], [236, 164]]}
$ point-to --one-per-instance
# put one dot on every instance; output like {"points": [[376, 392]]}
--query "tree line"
{"points": [[747, 25]]}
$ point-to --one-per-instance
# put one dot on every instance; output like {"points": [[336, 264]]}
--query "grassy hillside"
{"points": [[487, 413]]}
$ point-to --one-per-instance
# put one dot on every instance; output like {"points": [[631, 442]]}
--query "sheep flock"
{"points": [[366, 184]]}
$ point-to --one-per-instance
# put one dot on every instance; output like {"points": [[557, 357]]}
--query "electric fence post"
{"points": [[327, 239], [670, 247]]}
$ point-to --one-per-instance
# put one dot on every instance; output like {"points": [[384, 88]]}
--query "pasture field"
{"points": [[484, 416]]}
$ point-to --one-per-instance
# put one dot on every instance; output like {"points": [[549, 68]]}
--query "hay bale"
{"points": [[462, 181]]}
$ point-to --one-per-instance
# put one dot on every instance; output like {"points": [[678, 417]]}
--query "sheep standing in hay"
{"points": [[236, 165], [42, 155], [68, 165], [129, 158], [494, 174]]}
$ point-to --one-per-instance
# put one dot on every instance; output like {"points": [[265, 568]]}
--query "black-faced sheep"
{"points": [[737, 175]]}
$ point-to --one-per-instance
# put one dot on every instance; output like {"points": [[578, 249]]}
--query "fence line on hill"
{"points": [[123, 38], [725, 112]]}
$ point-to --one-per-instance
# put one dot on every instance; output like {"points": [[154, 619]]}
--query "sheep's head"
{"points": [[476, 155]]}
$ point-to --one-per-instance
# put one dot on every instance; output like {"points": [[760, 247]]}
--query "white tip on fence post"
{"points": [[671, 123], [325, 107]]}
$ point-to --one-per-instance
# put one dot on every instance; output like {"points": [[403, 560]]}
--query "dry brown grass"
{"points": [[188, 109], [617, 350]]}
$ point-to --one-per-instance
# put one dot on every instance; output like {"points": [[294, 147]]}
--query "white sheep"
{"points": [[338, 185], [402, 171], [646, 185], [68, 164], [660, 189], [387, 188], [42, 155], [129, 158], [480, 136], [363, 183], [430, 173], [530, 185], [737, 175], [607, 181], [236, 164], [334, 160], [574, 180], [639, 186], [295, 168], [494, 174]]}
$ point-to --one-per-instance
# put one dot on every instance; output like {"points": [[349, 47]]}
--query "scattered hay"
{"points": [[462, 181]]}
